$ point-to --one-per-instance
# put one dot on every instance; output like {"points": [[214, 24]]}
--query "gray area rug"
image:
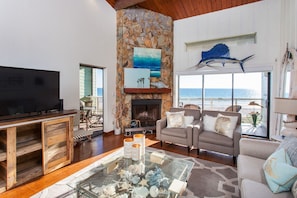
{"points": [[210, 179], [207, 180]]}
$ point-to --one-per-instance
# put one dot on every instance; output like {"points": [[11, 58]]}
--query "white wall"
{"points": [[274, 22], [262, 17], [59, 35]]}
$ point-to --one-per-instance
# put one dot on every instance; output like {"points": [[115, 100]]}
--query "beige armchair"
{"points": [[234, 108], [208, 134], [191, 106], [178, 135]]}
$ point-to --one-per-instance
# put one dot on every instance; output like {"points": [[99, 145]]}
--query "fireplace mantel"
{"points": [[146, 90]]}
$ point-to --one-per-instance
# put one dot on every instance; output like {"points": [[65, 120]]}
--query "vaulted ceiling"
{"points": [[179, 9]]}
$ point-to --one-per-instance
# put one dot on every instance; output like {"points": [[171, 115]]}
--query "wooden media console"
{"points": [[34, 146]]}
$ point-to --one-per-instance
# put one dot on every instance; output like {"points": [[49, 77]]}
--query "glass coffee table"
{"points": [[155, 175]]}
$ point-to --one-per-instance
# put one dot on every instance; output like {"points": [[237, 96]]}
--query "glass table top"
{"points": [[155, 175]]}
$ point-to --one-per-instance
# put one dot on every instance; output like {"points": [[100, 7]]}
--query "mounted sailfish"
{"points": [[219, 54]]}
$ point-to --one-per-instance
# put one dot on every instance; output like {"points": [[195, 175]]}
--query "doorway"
{"points": [[91, 97]]}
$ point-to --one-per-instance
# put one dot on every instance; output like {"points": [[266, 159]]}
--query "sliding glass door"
{"points": [[252, 93], [247, 93]]}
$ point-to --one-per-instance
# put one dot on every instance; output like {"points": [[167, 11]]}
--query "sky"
{"points": [[99, 77]]}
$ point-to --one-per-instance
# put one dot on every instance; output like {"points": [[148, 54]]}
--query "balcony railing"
{"points": [[221, 104]]}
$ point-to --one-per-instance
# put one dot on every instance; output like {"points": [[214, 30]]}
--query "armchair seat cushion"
{"points": [[253, 189], [215, 138], [177, 132]]}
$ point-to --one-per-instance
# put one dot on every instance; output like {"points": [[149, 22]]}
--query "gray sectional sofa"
{"points": [[251, 178]]}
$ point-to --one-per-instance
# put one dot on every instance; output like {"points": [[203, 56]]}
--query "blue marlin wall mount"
{"points": [[219, 54]]}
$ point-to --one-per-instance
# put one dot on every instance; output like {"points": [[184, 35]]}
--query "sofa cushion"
{"points": [[253, 189], [188, 120], [175, 119], [290, 145], [215, 138], [209, 123], [250, 168], [279, 172]]}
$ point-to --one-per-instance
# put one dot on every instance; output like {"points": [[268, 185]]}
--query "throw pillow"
{"points": [[233, 120], [188, 120], [209, 123], [294, 189], [175, 119], [223, 126], [279, 172], [290, 145]]}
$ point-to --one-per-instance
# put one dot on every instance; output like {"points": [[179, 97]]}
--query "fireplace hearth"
{"points": [[147, 111]]}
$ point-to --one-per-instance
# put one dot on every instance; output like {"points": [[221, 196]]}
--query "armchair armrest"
{"points": [[197, 128], [160, 124], [236, 139], [257, 148]]}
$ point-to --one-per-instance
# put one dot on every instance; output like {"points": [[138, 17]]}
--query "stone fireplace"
{"points": [[137, 27], [147, 111]]}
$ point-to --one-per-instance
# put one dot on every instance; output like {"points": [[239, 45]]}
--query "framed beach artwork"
{"points": [[136, 78], [148, 58]]}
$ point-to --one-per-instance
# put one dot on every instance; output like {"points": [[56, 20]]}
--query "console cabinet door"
{"points": [[57, 143]]}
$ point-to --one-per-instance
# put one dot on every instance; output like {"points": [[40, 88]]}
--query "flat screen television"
{"points": [[28, 92]]}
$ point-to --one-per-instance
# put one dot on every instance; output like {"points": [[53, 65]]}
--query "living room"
{"points": [[42, 37], [61, 35]]}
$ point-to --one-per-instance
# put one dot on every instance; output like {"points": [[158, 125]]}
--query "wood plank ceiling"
{"points": [[179, 9]]}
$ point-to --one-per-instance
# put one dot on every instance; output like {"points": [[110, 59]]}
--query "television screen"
{"points": [[28, 92]]}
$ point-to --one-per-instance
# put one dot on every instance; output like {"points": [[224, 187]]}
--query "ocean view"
{"points": [[218, 93], [220, 99]]}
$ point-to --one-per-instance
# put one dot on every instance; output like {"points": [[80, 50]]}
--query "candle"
{"points": [[140, 139], [136, 152], [128, 147]]}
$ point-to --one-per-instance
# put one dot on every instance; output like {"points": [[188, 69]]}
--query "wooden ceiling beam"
{"points": [[121, 4], [180, 9]]}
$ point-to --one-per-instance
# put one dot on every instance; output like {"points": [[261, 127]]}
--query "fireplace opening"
{"points": [[147, 111]]}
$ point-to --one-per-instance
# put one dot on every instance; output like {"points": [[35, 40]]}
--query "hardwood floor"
{"points": [[88, 152]]}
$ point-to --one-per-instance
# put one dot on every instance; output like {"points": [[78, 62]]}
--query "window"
{"points": [[190, 90], [218, 91], [247, 91]]}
